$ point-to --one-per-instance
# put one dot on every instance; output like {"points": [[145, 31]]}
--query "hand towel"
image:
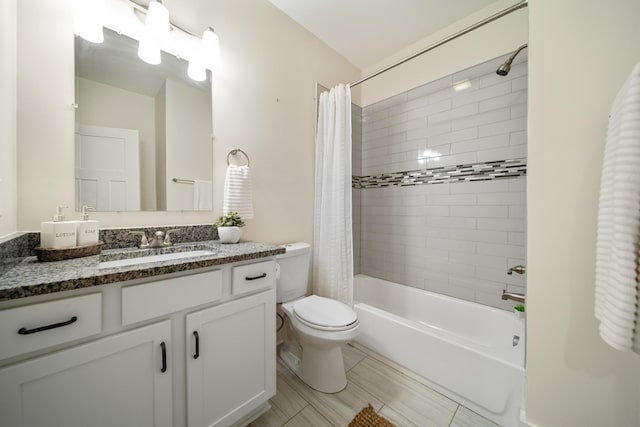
{"points": [[202, 195], [618, 235], [238, 195]]}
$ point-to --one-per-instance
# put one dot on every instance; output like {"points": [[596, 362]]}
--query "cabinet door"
{"points": [[231, 351], [113, 381]]}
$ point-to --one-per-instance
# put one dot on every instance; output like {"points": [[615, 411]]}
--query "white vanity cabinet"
{"points": [[176, 350], [121, 380]]}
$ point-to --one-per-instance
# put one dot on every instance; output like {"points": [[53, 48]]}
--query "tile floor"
{"points": [[396, 393]]}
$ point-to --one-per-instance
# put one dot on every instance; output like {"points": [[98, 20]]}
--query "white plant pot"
{"points": [[229, 234], [519, 314]]}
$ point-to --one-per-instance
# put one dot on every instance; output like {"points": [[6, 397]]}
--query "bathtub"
{"points": [[471, 353]]}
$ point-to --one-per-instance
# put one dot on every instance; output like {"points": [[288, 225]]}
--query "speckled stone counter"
{"points": [[28, 277]]}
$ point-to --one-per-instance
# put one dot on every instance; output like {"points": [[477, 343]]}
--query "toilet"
{"points": [[315, 327]]}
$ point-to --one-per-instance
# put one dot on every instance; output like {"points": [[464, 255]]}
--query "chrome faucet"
{"points": [[513, 296], [520, 269], [144, 243], [157, 241]]}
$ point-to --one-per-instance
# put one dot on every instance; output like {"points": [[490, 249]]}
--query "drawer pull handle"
{"points": [[262, 276], [163, 346], [197, 354], [25, 331]]}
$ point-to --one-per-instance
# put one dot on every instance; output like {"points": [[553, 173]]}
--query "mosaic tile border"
{"points": [[486, 171]]}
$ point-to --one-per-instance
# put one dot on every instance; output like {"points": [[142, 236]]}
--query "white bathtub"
{"points": [[464, 350]]}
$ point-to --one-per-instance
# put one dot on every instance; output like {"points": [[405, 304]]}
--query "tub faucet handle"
{"points": [[520, 269]]}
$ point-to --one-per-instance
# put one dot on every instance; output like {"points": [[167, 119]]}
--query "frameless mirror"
{"points": [[143, 132]]}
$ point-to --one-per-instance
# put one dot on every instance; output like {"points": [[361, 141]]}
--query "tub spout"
{"points": [[513, 296]]}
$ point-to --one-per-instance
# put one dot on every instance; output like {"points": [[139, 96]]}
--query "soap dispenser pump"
{"points": [[58, 234], [88, 230]]}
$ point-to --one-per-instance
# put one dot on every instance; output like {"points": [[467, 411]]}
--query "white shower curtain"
{"points": [[333, 239]]}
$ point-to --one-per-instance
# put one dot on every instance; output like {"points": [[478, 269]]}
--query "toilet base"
{"points": [[320, 369]]}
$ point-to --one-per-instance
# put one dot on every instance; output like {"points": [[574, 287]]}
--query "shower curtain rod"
{"points": [[462, 32]]}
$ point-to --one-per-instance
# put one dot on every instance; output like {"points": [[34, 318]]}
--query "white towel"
{"points": [[202, 195], [237, 191], [618, 237]]}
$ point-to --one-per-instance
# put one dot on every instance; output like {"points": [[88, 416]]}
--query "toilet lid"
{"points": [[324, 312]]}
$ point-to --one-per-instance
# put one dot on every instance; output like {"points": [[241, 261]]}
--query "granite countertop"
{"points": [[29, 277]]}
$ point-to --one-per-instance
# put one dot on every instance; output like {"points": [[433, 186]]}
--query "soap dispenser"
{"points": [[58, 234], [88, 230]]}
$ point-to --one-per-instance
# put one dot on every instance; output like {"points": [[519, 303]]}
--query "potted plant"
{"points": [[229, 227], [519, 311]]}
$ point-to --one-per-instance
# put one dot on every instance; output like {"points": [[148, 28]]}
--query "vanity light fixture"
{"points": [[88, 20], [206, 56], [156, 30]]}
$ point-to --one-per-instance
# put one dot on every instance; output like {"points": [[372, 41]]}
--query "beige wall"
{"points": [[104, 105], [263, 103], [8, 174], [581, 52]]}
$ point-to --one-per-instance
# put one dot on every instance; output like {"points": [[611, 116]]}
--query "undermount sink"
{"points": [[128, 258]]}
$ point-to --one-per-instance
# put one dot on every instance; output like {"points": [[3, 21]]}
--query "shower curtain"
{"points": [[333, 238]]}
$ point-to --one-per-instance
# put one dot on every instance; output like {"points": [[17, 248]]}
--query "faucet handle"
{"points": [[167, 239], [144, 243], [520, 269]]}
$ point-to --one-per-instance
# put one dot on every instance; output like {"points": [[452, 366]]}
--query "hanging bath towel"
{"points": [[238, 195], [618, 238], [202, 195]]}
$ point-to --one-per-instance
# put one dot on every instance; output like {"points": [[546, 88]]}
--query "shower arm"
{"points": [[514, 54]]}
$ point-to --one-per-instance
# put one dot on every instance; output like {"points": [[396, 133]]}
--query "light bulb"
{"points": [[157, 22], [148, 50], [88, 20], [210, 49], [196, 70]]}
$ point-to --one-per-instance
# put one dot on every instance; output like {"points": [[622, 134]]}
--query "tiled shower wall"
{"points": [[454, 231]]}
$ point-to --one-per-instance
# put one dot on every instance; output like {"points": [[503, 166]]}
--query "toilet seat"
{"points": [[324, 314]]}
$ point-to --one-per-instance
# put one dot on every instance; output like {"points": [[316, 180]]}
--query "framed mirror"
{"points": [[143, 132]]}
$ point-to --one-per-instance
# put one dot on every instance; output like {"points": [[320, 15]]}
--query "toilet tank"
{"points": [[293, 271]]}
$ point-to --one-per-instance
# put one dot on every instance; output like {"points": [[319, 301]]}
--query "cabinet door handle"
{"points": [[197, 353], [163, 346], [262, 276], [25, 331]]}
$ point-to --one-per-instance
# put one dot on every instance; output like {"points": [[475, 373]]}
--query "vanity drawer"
{"points": [[33, 327], [155, 299], [252, 277]]}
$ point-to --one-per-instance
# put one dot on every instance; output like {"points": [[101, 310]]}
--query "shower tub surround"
{"points": [[441, 186]]}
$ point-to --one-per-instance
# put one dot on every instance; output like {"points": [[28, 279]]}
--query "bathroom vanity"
{"points": [[187, 341]]}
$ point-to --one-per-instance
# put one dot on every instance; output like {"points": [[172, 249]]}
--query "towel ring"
{"points": [[236, 151]]}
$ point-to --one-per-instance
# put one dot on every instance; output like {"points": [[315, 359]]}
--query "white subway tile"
{"points": [[520, 83], [441, 95], [478, 259], [493, 116], [507, 126], [430, 131], [430, 109], [408, 106], [518, 211], [457, 222], [499, 275], [386, 122], [501, 250], [518, 138], [430, 88], [482, 94], [451, 199], [507, 198], [519, 110], [369, 134], [502, 224], [451, 137], [508, 100], [478, 144], [452, 159], [517, 238], [511, 152], [480, 211], [488, 236], [370, 117], [518, 184], [451, 114], [480, 186]]}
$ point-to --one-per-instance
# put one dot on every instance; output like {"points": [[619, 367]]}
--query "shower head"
{"points": [[504, 69]]}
